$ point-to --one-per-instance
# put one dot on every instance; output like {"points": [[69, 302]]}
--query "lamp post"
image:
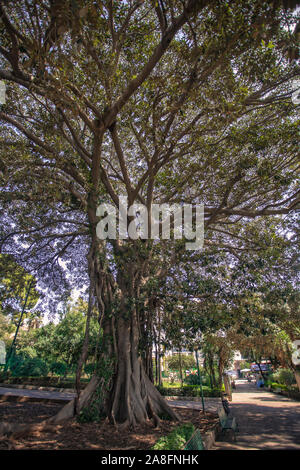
{"points": [[200, 377]]}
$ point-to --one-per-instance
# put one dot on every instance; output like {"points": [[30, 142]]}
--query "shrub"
{"points": [[194, 379], [187, 361], [89, 369], [189, 391], [93, 412], [278, 385], [176, 439], [58, 368], [284, 376], [90, 414], [28, 367]]}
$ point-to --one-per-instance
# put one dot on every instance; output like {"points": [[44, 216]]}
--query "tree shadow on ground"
{"points": [[264, 426]]}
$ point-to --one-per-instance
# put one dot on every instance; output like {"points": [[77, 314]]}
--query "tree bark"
{"points": [[134, 399], [260, 370], [180, 367], [210, 365], [128, 397], [85, 347], [297, 377]]}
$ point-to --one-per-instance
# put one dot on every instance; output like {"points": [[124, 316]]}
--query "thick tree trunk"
{"points": [[133, 398], [122, 389], [148, 364], [121, 386]]}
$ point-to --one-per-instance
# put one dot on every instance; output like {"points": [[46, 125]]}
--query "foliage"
{"points": [[61, 343], [244, 365], [89, 368], [189, 391], [176, 439], [22, 366], [277, 385], [46, 381], [284, 376], [55, 348], [58, 368], [193, 379], [94, 412], [14, 283], [6, 330], [185, 361]]}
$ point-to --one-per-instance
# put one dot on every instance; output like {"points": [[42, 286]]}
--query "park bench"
{"points": [[225, 404], [227, 422]]}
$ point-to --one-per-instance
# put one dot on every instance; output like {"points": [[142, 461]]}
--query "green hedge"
{"points": [[45, 381], [189, 391], [25, 366], [58, 368], [285, 390], [177, 439], [278, 385], [194, 379], [283, 376]]}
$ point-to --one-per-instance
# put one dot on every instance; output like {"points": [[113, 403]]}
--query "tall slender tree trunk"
{"points": [[221, 366], [159, 347], [210, 365], [84, 352], [297, 377], [260, 370], [180, 367]]}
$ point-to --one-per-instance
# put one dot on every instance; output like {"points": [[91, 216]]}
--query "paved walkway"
{"points": [[266, 421], [210, 404], [23, 394]]}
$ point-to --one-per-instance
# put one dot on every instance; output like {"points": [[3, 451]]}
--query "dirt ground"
{"points": [[16, 412], [93, 436]]}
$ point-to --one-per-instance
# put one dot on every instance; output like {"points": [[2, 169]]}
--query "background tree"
{"points": [[61, 342], [186, 361], [14, 283]]}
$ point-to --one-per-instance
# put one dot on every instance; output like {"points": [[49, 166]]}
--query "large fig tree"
{"points": [[169, 101]]}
